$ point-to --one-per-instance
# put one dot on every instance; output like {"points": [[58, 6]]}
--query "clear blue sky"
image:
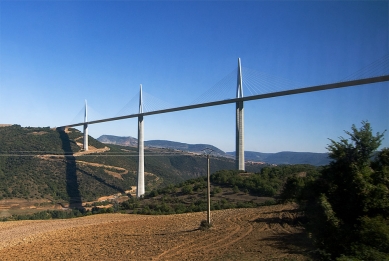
{"points": [[56, 54]]}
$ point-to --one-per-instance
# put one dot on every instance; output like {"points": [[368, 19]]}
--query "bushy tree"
{"points": [[293, 189], [188, 189], [349, 207]]}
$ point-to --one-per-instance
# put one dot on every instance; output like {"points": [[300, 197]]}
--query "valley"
{"points": [[46, 169], [251, 157], [43, 168]]}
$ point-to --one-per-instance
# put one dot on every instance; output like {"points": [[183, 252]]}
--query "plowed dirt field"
{"points": [[265, 233]]}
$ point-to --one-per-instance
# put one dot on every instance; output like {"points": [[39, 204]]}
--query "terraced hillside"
{"points": [[43, 166]]}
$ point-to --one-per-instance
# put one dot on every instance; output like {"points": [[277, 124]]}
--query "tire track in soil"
{"points": [[189, 245], [241, 226], [206, 246], [201, 247], [277, 226], [184, 248], [223, 248]]}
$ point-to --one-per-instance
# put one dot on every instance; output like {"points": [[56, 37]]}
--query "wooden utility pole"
{"points": [[208, 151]]}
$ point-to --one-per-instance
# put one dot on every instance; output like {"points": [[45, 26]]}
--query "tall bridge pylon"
{"points": [[239, 151], [140, 189]]}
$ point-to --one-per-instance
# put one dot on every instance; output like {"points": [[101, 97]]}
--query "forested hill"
{"points": [[47, 163]]}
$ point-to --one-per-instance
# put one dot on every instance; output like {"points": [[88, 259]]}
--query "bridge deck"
{"points": [[315, 88]]}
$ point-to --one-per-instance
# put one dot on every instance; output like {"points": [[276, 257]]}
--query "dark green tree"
{"points": [[351, 195], [188, 189], [293, 189]]}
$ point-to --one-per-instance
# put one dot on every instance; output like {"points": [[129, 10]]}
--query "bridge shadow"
{"points": [[102, 181], [290, 235], [72, 188], [297, 243]]}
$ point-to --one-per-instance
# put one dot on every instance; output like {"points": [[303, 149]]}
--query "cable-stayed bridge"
{"points": [[259, 89]]}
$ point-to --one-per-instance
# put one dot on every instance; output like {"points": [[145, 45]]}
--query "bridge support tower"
{"points": [[239, 156], [86, 127], [140, 191]]}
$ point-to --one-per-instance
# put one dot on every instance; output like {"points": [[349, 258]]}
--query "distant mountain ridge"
{"points": [[285, 157], [184, 146], [124, 141], [131, 141]]}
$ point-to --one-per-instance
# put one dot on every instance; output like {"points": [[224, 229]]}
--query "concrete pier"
{"points": [[140, 191], [141, 164], [239, 156]]}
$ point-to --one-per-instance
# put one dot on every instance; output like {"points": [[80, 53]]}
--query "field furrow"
{"points": [[236, 234]]}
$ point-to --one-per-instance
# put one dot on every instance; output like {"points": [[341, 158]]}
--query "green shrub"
{"points": [[204, 225], [188, 189]]}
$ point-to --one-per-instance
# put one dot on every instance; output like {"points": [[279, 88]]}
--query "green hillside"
{"points": [[37, 163], [228, 189]]}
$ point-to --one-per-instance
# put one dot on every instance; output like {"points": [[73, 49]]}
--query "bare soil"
{"points": [[18, 206], [265, 233]]}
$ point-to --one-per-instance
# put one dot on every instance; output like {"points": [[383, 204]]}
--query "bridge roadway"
{"points": [[315, 88]]}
